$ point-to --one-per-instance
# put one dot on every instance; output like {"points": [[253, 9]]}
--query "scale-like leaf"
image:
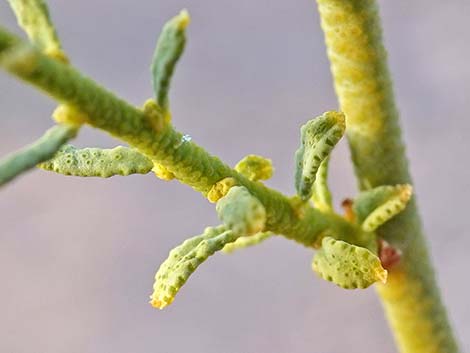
{"points": [[374, 207], [318, 138], [184, 260], [170, 46], [97, 162], [321, 195], [347, 265]]}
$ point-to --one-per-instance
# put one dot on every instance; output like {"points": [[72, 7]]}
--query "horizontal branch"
{"points": [[189, 163], [97, 162]]}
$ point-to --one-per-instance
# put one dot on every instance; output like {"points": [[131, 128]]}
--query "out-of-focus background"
{"points": [[78, 256]]}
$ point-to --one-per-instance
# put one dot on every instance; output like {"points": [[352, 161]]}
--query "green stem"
{"points": [[41, 150], [190, 163], [33, 17], [358, 61]]}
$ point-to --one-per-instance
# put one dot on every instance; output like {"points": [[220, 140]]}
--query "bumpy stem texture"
{"points": [[188, 162], [362, 82], [33, 17]]}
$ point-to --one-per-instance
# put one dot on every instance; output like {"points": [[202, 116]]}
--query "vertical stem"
{"points": [[362, 82]]}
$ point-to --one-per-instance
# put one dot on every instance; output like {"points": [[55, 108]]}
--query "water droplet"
{"points": [[185, 138]]}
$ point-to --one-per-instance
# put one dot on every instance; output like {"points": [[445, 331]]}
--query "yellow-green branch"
{"points": [[362, 82], [33, 17], [189, 163]]}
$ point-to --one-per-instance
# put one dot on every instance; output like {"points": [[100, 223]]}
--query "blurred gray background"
{"points": [[78, 256]]}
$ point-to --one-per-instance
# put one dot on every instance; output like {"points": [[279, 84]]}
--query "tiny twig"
{"points": [[41, 150]]}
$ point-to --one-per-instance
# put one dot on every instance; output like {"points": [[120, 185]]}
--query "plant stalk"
{"points": [[190, 163], [411, 296]]}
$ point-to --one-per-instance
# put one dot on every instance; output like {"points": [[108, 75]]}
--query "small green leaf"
{"points": [[39, 151], [170, 46], [184, 260], [374, 207], [33, 17], [318, 138], [321, 193], [241, 212], [245, 242], [347, 265], [255, 167], [97, 162]]}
